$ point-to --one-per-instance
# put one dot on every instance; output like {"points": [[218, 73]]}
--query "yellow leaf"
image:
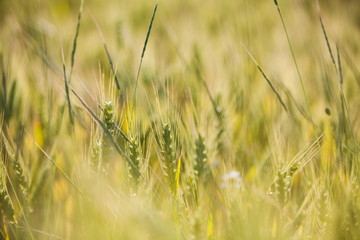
{"points": [[177, 175], [210, 232]]}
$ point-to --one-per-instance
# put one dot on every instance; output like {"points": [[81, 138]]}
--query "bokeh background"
{"points": [[249, 135]]}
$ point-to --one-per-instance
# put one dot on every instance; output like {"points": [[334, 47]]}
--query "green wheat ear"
{"points": [[290, 176], [106, 145], [6, 206], [134, 155], [281, 188], [168, 156], [20, 176], [200, 156], [291, 172], [108, 116]]}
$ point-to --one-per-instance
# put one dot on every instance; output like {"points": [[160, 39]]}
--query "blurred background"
{"points": [[212, 29], [249, 134]]}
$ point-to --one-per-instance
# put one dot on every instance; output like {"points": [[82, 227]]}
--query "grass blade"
{"points": [[75, 39], [177, 174], [142, 56], [326, 39], [54, 163], [66, 85], [339, 66], [267, 80], [295, 62]]}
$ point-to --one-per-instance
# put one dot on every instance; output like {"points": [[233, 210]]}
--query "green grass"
{"points": [[185, 135]]}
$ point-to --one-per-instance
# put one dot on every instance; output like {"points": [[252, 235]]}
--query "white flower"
{"points": [[231, 179]]}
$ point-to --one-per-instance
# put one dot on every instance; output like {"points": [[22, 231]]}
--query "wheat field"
{"points": [[139, 119]]}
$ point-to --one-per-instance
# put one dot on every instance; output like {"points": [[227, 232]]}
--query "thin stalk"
{"points": [[267, 80], [142, 56], [326, 37], [75, 39], [66, 85], [218, 114], [54, 163], [295, 62]]}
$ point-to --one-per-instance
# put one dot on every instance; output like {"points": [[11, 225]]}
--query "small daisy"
{"points": [[231, 179]]}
